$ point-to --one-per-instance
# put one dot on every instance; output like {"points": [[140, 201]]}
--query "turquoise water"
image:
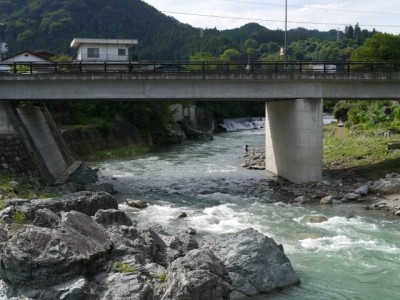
{"points": [[342, 258]]}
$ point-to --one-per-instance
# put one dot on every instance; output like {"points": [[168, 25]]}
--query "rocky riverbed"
{"points": [[81, 246], [382, 196]]}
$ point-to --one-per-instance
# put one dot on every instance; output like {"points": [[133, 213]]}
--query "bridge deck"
{"points": [[200, 81]]}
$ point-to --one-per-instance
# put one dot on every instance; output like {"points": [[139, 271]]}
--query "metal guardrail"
{"points": [[29, 68]]}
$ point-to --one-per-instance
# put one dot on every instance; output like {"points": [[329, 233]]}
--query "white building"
{"points": [[101, 50], [40, 60]]}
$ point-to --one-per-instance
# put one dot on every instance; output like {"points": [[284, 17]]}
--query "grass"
{"points": [[366, 154], [162, 277], [28, 188], [118, 153], [124, 268], [19, 217]]}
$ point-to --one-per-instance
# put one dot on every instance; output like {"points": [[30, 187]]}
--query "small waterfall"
{"points": [[238, 124]]}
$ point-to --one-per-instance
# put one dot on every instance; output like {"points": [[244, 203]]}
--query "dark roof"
{"points": [[40, 54]]}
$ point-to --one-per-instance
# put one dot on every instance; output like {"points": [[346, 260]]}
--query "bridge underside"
{"points": [[293, 134]]}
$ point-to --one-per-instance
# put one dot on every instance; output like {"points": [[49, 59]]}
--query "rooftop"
{"points": [[78, 41]]}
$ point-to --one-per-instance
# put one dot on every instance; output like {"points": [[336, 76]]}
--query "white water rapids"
{"points": [[352, 255]]}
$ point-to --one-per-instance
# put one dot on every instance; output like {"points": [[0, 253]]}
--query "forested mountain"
{"points": [[52, 24]]}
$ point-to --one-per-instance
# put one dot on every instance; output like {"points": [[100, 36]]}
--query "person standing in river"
{"points": [[246, 148]]}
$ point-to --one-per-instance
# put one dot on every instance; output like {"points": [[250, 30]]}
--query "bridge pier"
{"points": [[293, 132]]}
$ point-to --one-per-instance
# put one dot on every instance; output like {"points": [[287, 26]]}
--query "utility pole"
{"points": [[285, 30], [284, 48]]}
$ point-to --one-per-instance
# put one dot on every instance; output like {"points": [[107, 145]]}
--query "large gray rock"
{"points": [[39, 257], [387, 186], [84, 175], [46, 218], [123, 286], [112, 217], [85, 202], [77, 288], [181, 244], [196, 276], [362, 190], [256, 264]]}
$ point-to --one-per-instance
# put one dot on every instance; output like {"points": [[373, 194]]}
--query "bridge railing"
{"points": [[29, 68]]}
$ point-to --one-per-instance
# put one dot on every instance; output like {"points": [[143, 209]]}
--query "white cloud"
{"points": [[318, 14]]}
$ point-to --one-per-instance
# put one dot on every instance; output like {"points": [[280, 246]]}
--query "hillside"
{"points": [[52, 24]]}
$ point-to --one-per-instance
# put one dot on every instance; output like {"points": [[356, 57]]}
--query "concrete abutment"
{"points": [[293, 134], [34, 141]]}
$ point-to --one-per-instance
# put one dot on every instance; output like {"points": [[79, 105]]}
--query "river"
{"points": [[352, 255]]}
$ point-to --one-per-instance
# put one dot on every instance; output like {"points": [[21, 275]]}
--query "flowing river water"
{"points": [[344, 257]]}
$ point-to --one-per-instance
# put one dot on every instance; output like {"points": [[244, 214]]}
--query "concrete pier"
{"points": [[293, 134]]}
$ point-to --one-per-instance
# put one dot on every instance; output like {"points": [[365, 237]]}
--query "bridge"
{"points": [[293, 92]]}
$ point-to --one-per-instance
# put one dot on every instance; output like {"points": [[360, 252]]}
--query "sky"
{"points": [[324, 15]]}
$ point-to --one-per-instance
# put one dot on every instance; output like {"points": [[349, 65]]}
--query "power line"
{"points": [[279, 21], [317, 8]]}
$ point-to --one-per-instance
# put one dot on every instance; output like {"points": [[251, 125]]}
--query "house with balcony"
{"points": [[103, 54]]}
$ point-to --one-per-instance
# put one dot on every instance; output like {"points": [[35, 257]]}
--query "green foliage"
{"points": [[122, 267], [380, 47], [5, 180], [19, 217], [53, 24], [162, 277], [368, 115], [367, 151]]}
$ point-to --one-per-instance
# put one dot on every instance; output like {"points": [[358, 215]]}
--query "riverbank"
{"points": [[218, 197], [82, 246], [358, 168]]}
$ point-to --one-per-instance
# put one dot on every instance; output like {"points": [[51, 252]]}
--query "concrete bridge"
{"points": [[293, 92]]}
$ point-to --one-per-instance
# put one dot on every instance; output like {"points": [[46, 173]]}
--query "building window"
{"points": [[93, 52], [121, 52]]}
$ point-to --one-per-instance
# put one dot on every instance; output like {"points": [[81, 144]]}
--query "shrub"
{"points": [[124, 268], [19, 217], [162, 277]]}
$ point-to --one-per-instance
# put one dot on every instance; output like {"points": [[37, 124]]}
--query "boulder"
{"points": [[388, 186], [112, 217], [181, 244], [128, 243], [256, 264], [77, 288], [136, 203], [40, 257], [46, 218], [352, 197], [197, 275], [155, 246], [362, 190], [327, 200], [302, 199], [83, 175], [182, 215], [130, 286], [85, 202], [315, 219]]}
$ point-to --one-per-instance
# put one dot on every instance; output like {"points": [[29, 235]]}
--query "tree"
{"points": [[380, 47], [229, 54]]}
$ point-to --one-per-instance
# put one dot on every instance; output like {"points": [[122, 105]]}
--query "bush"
{"points": [[19, 217], [124, 268]]}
